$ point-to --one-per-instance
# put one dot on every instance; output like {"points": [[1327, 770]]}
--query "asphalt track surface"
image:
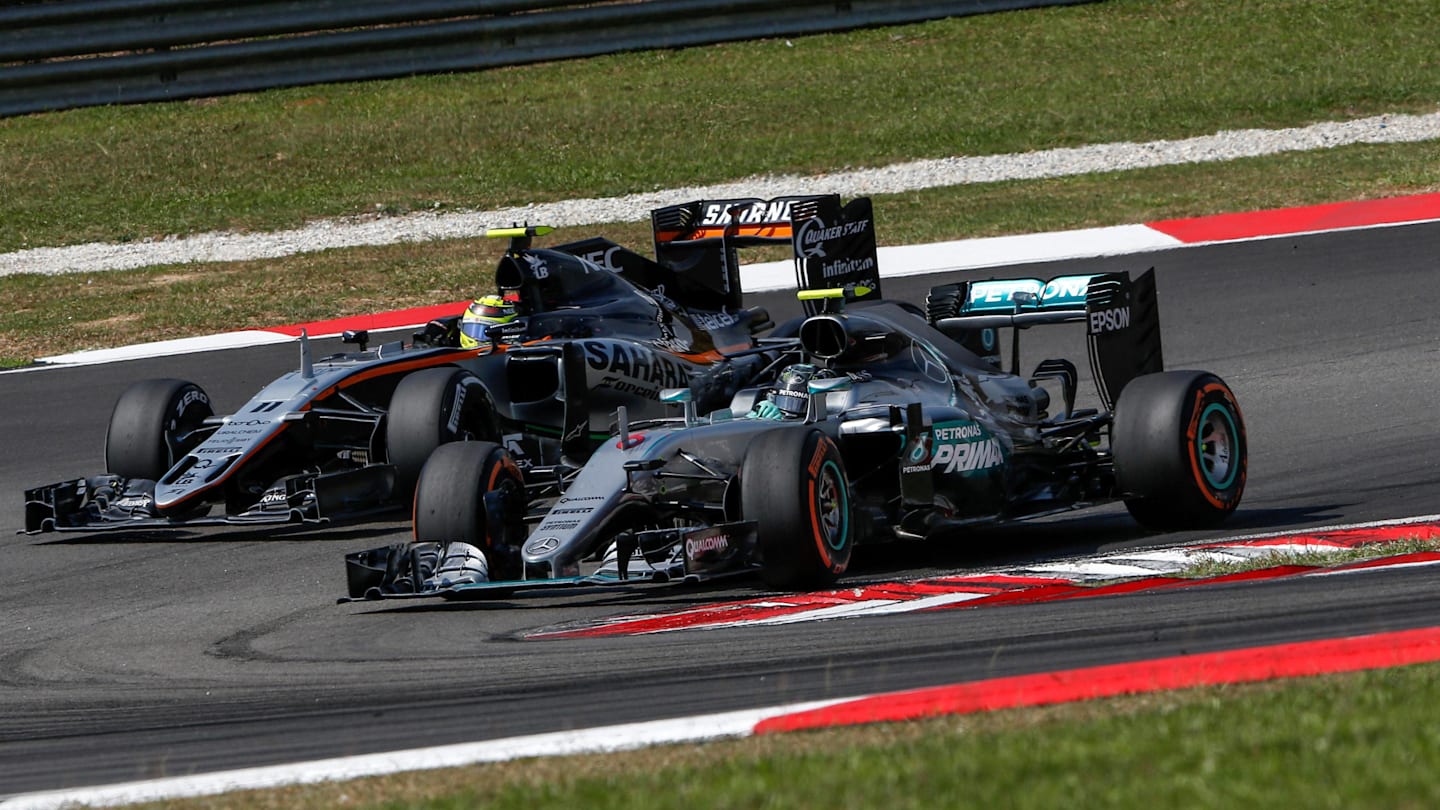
{"points": [[132, 657]]}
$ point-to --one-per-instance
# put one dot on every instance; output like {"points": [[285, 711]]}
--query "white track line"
{"points": [[583, 741]]}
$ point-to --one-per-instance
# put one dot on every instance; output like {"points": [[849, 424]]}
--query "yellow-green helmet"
{"points": [[483, 312]]}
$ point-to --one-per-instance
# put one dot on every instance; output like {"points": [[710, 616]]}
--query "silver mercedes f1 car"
{"points": [[877, 420]]}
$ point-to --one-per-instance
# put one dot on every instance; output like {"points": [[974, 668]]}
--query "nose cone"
{"points": [[208, 465]]}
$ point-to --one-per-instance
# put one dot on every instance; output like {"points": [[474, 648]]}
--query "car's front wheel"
{"points": [[154, 424], [793, 483], [473, 492]]}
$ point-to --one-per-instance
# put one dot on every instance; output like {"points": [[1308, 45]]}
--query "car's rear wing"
{"points": [[1022, 302], [1121, 316], [833, 244]]}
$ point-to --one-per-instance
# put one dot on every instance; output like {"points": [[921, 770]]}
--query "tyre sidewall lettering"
{"points": [[456, 406], [821, 464], [191, 406]]}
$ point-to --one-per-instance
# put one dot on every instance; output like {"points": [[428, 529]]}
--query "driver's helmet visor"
{"points": [[481, 315], [793, 403], [475, 330]]}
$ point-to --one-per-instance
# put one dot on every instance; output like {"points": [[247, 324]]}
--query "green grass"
{"points": [[1119, 70], [1363, 740], [1205, 568]]}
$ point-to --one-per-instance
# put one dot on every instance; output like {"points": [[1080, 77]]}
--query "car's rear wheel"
{"points": [[1180, 452], [473, 492], [153, 425], [431, 408], [793, 483]]}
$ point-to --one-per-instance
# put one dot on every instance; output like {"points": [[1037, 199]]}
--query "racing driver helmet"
{"points": [[483, 312], [791, 393]]}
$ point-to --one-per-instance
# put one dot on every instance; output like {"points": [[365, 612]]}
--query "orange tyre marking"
{"points": [[1192, 435]]}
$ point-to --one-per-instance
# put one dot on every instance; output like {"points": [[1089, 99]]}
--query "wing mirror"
{"points": [[686, 397], [820, 390]]}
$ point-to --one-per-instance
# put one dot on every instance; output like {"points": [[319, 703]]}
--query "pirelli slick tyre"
{"points": [[432, 407], [1179, 447], [473, 492], [793, 483], [153, 425]]}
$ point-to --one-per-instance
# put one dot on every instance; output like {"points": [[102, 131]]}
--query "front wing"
{"points": [[405, 570], [112, 503]]}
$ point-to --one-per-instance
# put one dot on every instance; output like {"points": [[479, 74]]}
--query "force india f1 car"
{"points": [[891, 428], [598, 327]]}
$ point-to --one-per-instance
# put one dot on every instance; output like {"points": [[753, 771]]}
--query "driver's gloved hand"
{"points": [[765, 409]]}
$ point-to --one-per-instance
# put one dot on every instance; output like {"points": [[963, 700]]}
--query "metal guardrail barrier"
{"points": [[77, 53]]}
